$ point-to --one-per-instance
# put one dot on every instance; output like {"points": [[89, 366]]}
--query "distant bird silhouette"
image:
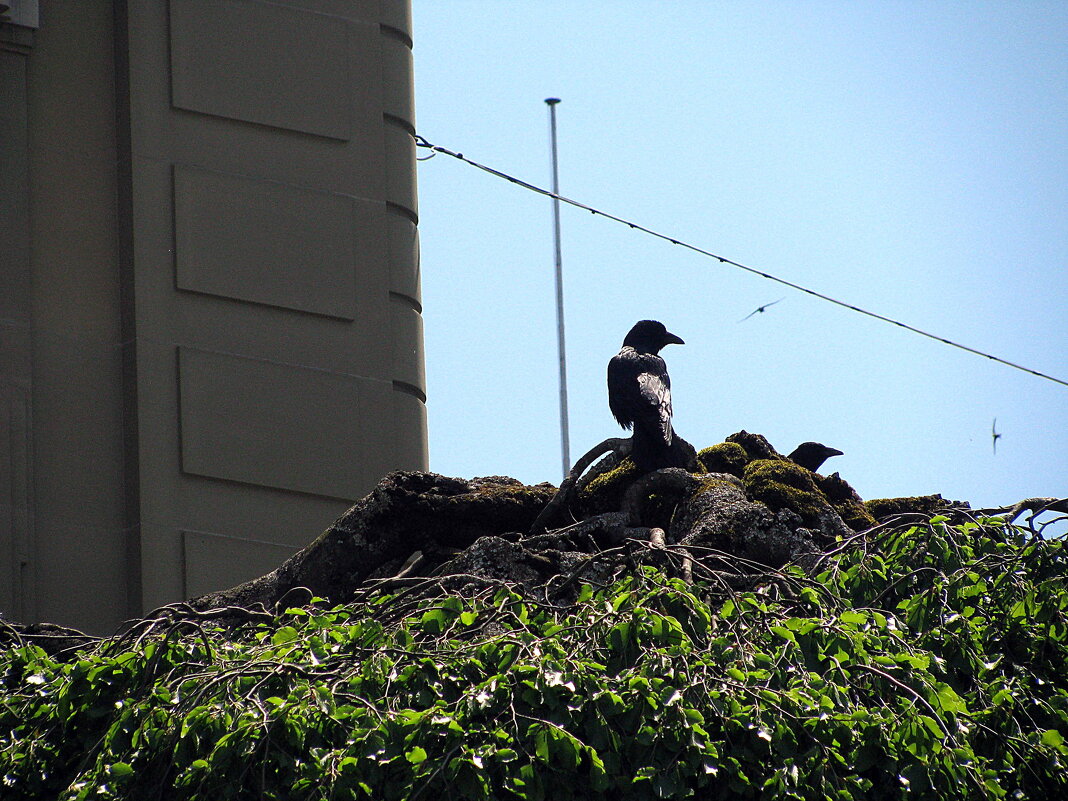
{"points": [[760, 310], [810, 455], [639, 395], [994, 435]]}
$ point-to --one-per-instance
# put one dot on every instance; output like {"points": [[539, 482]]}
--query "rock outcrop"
{"points": [[742, 510]]}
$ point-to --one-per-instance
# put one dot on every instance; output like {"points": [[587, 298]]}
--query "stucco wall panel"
{"points": [[400, 155], [396, 14], [303, 255], [211, 561], [407, 328], [277, 425], [79, 455], [403, 239], [170, 134], [266, 513], [398, 86], [16, 501], [229, 324], [236, 59], [409, 414]]}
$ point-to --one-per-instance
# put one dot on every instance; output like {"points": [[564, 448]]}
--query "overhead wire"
{"points": [[424, 143]]}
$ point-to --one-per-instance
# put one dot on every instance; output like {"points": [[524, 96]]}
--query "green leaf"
{"points": [[566, 749], [948, 698], [433, 621], [610, 703], [784, 632], [1003, 696], [932, 725], [120, 769], [918, 661], [284, 635], [853, 618], [619, 637], [416, 756], [644, 774], [1053, 738], [541, 745]]}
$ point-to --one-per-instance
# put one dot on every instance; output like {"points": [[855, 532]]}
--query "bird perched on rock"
{"points": [[810, 455], [639, 395]]}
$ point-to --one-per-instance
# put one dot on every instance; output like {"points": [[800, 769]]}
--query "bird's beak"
{"points": [[833, 452], [671, 339]]}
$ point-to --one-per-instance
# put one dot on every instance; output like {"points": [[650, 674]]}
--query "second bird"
{"points": [[639, 395]]}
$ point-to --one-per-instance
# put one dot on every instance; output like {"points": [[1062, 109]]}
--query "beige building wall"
{"points": [[210, 330]]}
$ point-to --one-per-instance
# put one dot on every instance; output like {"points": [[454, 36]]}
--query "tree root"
{"points": [[618, 446]]}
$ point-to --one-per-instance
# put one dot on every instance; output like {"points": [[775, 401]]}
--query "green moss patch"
{"points": [[779, 484], [605, 492], [921, 504], [726, 457]]}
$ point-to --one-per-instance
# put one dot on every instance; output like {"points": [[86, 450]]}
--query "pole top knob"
{"points": [[552, 101]]}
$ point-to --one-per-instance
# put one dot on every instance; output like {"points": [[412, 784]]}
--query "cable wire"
{"points": [[422, 142]]}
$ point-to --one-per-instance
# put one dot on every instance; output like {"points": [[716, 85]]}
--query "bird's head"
{"points": [[649, 336], [813, 454]]}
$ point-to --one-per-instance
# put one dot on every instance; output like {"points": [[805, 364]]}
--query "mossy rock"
{"points": [[854, 515], [727, 457], [756, 446], [922, 504], [604, 493], [846, 502], [780, 484], [711, 481]]}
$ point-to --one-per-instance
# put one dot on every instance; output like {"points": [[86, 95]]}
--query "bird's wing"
{"points": [[622, 370], [639, 391], [655, 391]]}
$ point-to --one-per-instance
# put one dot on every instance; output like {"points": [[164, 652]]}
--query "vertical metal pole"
{"points": [[565, 443]]}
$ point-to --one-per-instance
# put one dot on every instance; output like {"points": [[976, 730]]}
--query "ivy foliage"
{"points": [[928, 663]]}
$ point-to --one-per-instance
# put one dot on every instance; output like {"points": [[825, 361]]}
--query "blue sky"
{"points": [[909, 158]]}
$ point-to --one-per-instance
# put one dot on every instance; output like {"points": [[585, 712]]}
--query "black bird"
{"points": [[760, 310], [639, 395], [994, 435], [810, 455]]}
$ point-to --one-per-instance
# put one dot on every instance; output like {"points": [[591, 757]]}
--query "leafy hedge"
{"points": [[929, 664]]}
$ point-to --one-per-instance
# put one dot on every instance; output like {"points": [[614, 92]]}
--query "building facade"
{"points": [[210, 328]]}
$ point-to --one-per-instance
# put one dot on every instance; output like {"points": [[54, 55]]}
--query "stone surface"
{"points": [[420, 533]]}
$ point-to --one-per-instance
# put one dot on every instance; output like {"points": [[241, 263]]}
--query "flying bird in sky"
{"points": [[760, 310], [639, 395], [994, 435]]}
